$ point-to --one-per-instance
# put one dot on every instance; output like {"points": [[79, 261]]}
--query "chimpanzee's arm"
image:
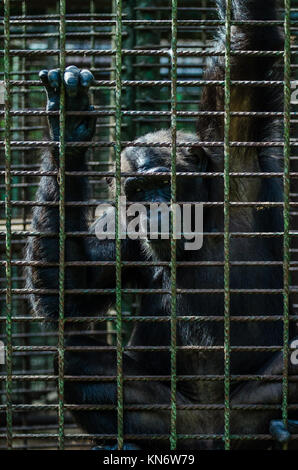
{"points": [[243, 68], [267, 393], [46, 249]]}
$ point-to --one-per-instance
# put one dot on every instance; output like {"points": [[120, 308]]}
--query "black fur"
{"points": [[242, 219]]}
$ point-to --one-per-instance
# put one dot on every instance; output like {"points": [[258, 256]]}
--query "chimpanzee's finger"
{"points": [[86, 78], [71, 80], [279, 431], [43, 76], [54, 78]]}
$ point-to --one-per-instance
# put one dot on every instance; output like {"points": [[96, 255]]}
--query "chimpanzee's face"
{"points": [[149, 182]]}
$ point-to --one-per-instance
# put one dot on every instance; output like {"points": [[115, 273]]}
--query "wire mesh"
{"points": [[148, 59]]}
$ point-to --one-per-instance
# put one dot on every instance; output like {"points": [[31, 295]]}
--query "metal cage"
{"points": [[148, 59]]}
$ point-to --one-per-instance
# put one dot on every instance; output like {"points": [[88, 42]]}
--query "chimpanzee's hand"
{"points": [[76, 82]]}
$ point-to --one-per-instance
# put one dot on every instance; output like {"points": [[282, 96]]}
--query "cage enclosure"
{"points": [[148, 60]]}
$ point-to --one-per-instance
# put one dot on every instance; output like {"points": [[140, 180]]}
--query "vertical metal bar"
{"points": [[143, 37], [8, 215], [25, 327], [118, 37], [128, 103], [92, 64], [112, 123], [227, 225], [286, 238], [92, 45], [129, 43], [23, 104], [62, 33], [173, 438]]}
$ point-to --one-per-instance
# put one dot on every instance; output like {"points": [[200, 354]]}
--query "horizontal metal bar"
{"points": [[142, 52], [146, 83], [151, 407], [146, 291], [44, 20], [148, 348], [163, 319], [127, 174], [42, 143], [24, 233], [143, 264], [149, 378], [260, 204], [149, 437]]}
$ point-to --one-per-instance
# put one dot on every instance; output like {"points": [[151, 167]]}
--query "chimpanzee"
{"points": [[251, 277]]}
